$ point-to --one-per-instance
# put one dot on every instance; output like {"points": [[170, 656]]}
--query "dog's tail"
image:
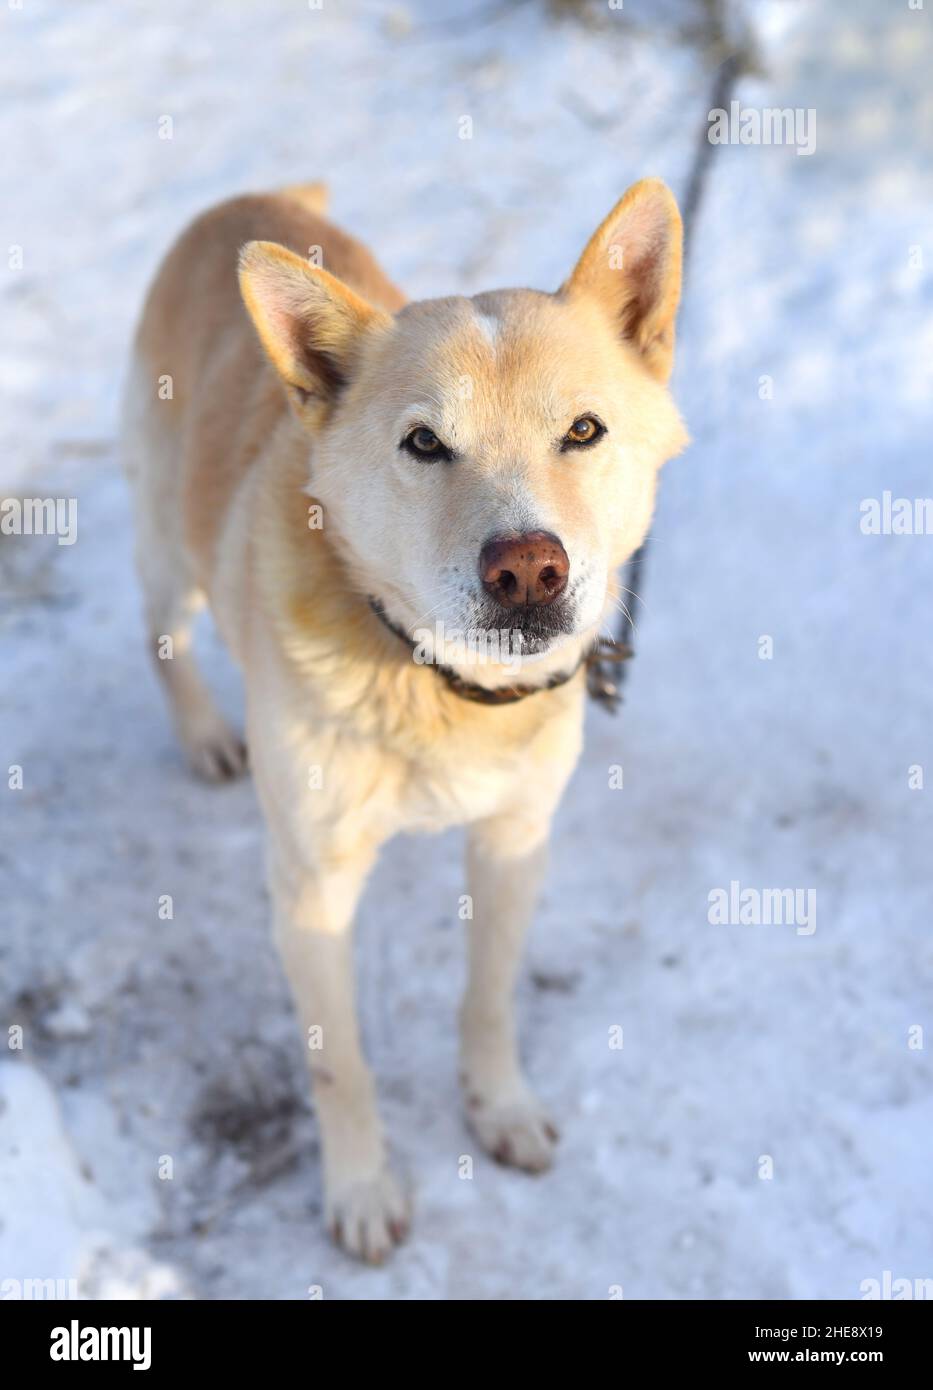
{"points": [[313, 196]]}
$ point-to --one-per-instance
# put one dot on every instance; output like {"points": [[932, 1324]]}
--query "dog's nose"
{"points": [[530, 568]]}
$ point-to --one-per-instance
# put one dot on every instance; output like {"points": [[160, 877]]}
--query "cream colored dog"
{"points": [[407, 519]]}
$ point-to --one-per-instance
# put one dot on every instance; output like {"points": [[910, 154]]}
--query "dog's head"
{"points": [[486, 464]]}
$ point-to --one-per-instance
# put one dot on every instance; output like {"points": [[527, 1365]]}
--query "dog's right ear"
{"points": [[309, 322]]}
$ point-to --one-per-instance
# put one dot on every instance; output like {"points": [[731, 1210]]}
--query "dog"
{"points": [[407, 520]]}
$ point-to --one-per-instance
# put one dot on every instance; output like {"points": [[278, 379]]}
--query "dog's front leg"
{"points": [[505, 862], [314, 909]]}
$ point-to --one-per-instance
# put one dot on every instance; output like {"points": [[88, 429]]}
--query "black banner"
{"points": [[161, 1339]]}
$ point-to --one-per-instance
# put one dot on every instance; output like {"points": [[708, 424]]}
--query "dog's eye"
{"points": [[424, 444], [585, 430]]}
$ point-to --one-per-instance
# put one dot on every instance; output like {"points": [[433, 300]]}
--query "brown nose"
{"points": [[531, 568]]}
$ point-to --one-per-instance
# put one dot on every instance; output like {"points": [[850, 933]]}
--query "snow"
{"points": [[146, 1039], [56, 1220]]}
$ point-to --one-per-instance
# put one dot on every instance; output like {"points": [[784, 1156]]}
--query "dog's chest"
{"points": [[454, 786]]}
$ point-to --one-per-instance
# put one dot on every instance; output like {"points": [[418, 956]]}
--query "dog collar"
{"points": [[598, 682]]}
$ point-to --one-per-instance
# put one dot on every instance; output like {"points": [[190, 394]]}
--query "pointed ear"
{"points": [[309, 322], [632, 266]]}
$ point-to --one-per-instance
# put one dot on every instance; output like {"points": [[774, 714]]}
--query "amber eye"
{"points": [[424, 443], [585, 430]]}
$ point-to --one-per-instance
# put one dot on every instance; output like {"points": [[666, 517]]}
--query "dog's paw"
{"points": [[369, 1217], [518, 1132], [216, 753]]}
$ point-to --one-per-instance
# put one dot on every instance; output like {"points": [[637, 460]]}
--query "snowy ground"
{"points": [[145, 1040]]}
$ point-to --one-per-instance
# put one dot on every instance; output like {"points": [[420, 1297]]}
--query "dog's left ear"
{"points": [[632, 265]]}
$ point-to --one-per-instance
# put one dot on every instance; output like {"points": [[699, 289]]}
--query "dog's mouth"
{"points": [[528, 629], [488, 633]]}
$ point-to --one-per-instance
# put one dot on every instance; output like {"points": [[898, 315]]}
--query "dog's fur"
{"points": [[233, 449]]}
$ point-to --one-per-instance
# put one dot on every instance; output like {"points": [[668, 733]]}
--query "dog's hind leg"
{"points": [[172, 598], [214, 749]]}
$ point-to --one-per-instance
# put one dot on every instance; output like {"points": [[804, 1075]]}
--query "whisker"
{"points": [[444, 598], [621, 607], [634, 595]]}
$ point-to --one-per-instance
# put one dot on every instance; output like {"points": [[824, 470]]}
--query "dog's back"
{"points": [[200, 406]]}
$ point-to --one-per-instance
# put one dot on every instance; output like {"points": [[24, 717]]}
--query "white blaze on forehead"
{"points": [[488, 326]]}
